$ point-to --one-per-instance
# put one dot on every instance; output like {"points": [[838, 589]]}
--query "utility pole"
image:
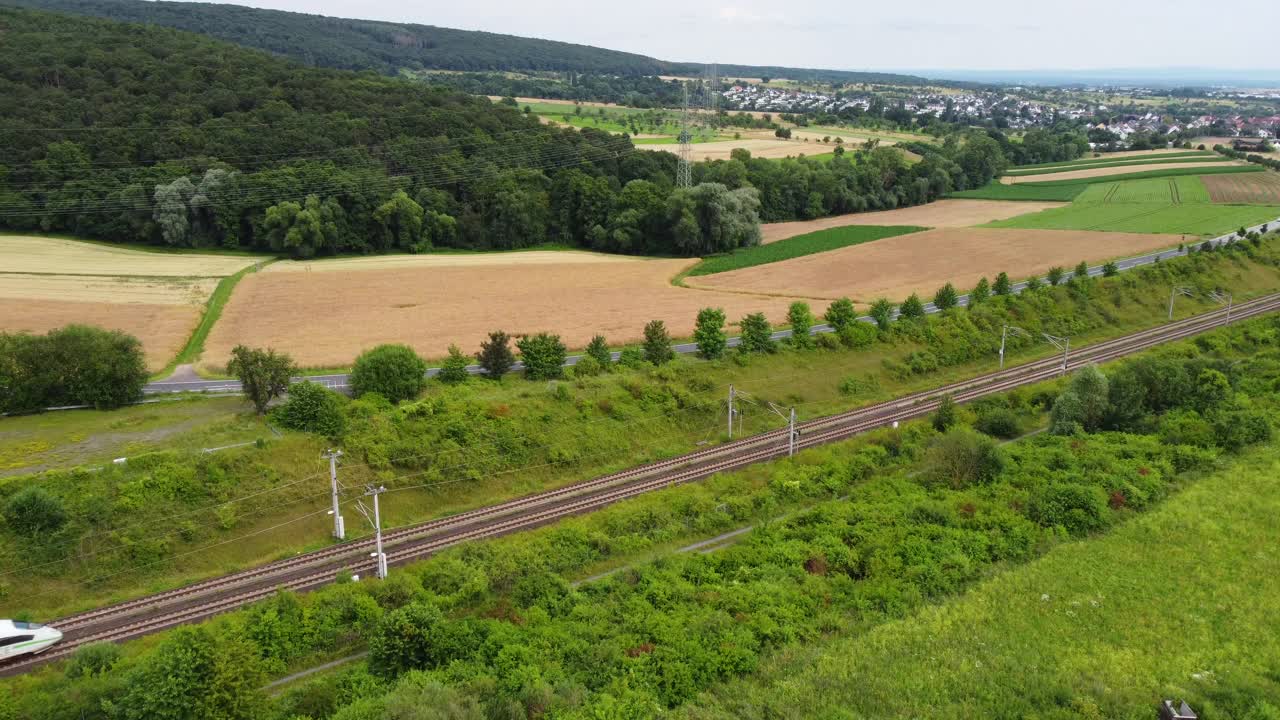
{"points": [[1063, 344], [1223, 299], [339, 529], [791, 427], [1175, 293], [731, 412], [791, 451], [1004, 334], [376, 521]]}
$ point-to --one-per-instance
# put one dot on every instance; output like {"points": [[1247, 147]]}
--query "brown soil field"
{"points": [[163, 329], [24, 254], [921, 262], [325, 319], [942, 213], [1254, 188], [1105, 171]]}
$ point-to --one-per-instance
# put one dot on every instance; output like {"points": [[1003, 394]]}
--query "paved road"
{"points": [[339, 382]]}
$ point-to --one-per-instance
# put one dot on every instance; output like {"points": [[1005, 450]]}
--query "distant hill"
{"points": [[388, 47]]}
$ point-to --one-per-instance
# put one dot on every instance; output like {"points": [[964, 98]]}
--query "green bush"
{"points": [[454, 370], [657, 343], [93, 660], [393, 371], [998, 422], [34, 511], [800, 318], [882, 313], [858, 335], [543, 356], [757, 336], [961, 458], [709, 333], [841, 314], [75, 365], [495, 355], [587, 366], [598, 349], [912, 308], [1079, 509], [312, 408]]}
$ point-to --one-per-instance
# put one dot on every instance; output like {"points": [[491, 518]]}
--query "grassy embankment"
{"points": [[903, 546], [175, 517], [212, 311], [1183, 602]]}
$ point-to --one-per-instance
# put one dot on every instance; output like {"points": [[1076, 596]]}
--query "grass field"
{"points": [[326, 317], [1199, 219], [922, 262], [1169, 191], [1033, 193], [1098, 171], [1171, 171], [46, 283], [799, 246], [940, 213], [1068, 190], [1181, 602], [32, 443], [1161, 158]]}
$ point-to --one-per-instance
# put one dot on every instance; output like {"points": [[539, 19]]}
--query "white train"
{"points": [[21, 638]]}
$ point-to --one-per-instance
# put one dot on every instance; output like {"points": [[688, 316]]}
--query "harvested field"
{"points": [[114, 290], [325, 319], [162, 328], [1258, 188], [386, 262], [759, 147], [68, 257], [158, 297], [1111, 170], [943, 213], [922, 262]]}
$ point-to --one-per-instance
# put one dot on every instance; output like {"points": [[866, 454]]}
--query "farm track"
{"points": [[202, 600]]}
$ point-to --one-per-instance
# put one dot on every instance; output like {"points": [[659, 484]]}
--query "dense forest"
{"points": [[132, 133], [389, 47]]}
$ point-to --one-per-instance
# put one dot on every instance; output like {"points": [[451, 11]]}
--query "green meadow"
{"points": [[1182, 602]]}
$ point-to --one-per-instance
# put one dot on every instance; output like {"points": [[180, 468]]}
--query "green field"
{"points": [[1182, 602], [1164, 172], [808, 244], [1068, 190], [1025, 191], [1171, 191], [1191, 219], [1189, 156]]}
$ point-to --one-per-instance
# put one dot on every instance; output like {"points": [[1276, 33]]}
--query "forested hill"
{"points": [[142, 133], [389, 47]]}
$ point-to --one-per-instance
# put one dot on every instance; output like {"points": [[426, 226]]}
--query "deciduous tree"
{"points": [[393, 371], [263, 374]]}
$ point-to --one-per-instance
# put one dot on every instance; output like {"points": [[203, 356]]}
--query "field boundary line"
{"points": [[218, 299]]}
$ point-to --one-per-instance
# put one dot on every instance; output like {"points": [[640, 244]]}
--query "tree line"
{"points": [[196, 143]]}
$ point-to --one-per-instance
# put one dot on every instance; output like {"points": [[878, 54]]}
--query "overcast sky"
{"points": [[867, 34]]}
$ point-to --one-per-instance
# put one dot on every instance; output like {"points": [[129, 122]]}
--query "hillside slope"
{"points": [[388, 47]]}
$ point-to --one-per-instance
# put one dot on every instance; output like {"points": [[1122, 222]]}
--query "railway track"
{"points": [[204, 599]]}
